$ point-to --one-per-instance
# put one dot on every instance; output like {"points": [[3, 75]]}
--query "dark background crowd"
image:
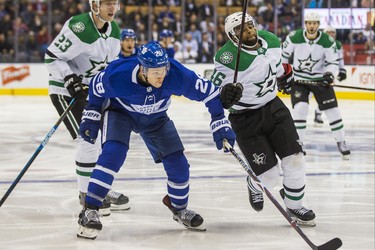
{"points": [[28, 26]]}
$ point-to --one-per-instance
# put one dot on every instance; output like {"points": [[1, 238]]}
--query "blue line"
{"points": [[192, 177]]}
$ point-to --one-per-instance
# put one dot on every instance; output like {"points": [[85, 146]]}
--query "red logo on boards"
{"points": [[12, 73]]}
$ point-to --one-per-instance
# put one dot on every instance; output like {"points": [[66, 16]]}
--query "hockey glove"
{"points": [[73, 84], [342, 75], [221, 130], [285, 82], [230, 94], [90, 124], [327, 79]]}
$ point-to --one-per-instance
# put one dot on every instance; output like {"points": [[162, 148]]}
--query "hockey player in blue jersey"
{"points": [[128, 44], [139, 91], [166, 41]]}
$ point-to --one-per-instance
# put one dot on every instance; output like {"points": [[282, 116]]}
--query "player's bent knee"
{"points": [[113, 155], [270, 177], [294, 168], [176, 166]]}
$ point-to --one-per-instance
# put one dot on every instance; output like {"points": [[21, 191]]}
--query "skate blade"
{"points": [[302, 223], [199, 228], [123, 207], [105, 212], [345, 157], [87, 233], [318, 125]]}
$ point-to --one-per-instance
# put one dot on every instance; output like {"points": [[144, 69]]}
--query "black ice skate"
{"points": [[345, 152], [118, 201], [89, 224], [255, 196], [188, 218], [104, 209], [303, 216], [318, 121]]}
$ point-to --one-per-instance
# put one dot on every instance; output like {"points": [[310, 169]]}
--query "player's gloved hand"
{"points": [[76, 88], [90, 124], [342, 75], [221, 130], [285, 82], [230, 94], [327, 79]]}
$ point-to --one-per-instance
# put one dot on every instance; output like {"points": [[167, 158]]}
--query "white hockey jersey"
{"points": [[257, 71], [81, 49], [311, 58]]}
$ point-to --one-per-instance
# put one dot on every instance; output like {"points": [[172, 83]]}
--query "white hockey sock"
{"points": [[336, 124]]}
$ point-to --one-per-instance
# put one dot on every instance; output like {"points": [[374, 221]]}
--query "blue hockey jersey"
{"points": [[119, 83]]}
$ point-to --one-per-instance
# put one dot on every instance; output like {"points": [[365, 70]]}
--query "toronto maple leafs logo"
{"points": [[226, 58], [307, 64], [268, 84], [259, 159]]}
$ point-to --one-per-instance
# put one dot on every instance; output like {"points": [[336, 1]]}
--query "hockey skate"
{"points": [[318, 121], [255, 197], [118, 201], [345, 152], [188, 218], [89, 224], [104, 209], [303, 216]]}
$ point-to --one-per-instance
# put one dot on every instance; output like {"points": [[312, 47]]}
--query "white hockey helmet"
{"points": [[97, 2], [234, 20], [329, 29], [312, 16]]}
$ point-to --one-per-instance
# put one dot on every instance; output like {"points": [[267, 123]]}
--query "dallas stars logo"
{"points": [[226, 58], [307, 64], [268, 85], [259, 159], [96, 67]]}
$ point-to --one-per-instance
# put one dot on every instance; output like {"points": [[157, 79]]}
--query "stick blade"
{"points": [[333, 244]]}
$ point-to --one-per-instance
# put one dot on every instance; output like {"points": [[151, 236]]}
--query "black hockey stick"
{"points": [[319, 83], [330, 245], [244, 10], [36, 153]]}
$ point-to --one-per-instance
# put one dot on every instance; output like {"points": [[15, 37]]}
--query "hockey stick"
{"points": [[330, 245], [36, 153], [318, 83], [244, 9]]}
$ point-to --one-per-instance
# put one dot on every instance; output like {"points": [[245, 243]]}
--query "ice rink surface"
{"points": [[42, 211]]}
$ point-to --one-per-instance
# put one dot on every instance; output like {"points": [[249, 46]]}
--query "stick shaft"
{"points": [[36, 153]]}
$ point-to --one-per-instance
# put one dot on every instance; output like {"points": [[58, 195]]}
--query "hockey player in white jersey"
{"points": [[263, 124], [342, 71], [315, 59], [139, 90], [84, 46]]}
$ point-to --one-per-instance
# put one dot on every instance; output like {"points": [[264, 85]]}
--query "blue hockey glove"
{"points": [[221, 130], [90, 124], [76, 88], [327, 79]]}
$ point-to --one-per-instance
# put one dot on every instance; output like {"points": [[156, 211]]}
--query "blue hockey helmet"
{"points": [[165, 33], [153, 55], [127, 33]]}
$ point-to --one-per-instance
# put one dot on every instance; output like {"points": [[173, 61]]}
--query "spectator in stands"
{"points": [[166, 15], [196, 34], [206, 10], [191, 8], [207, 50], [7, 50], [190, 49], [359, 38]]}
